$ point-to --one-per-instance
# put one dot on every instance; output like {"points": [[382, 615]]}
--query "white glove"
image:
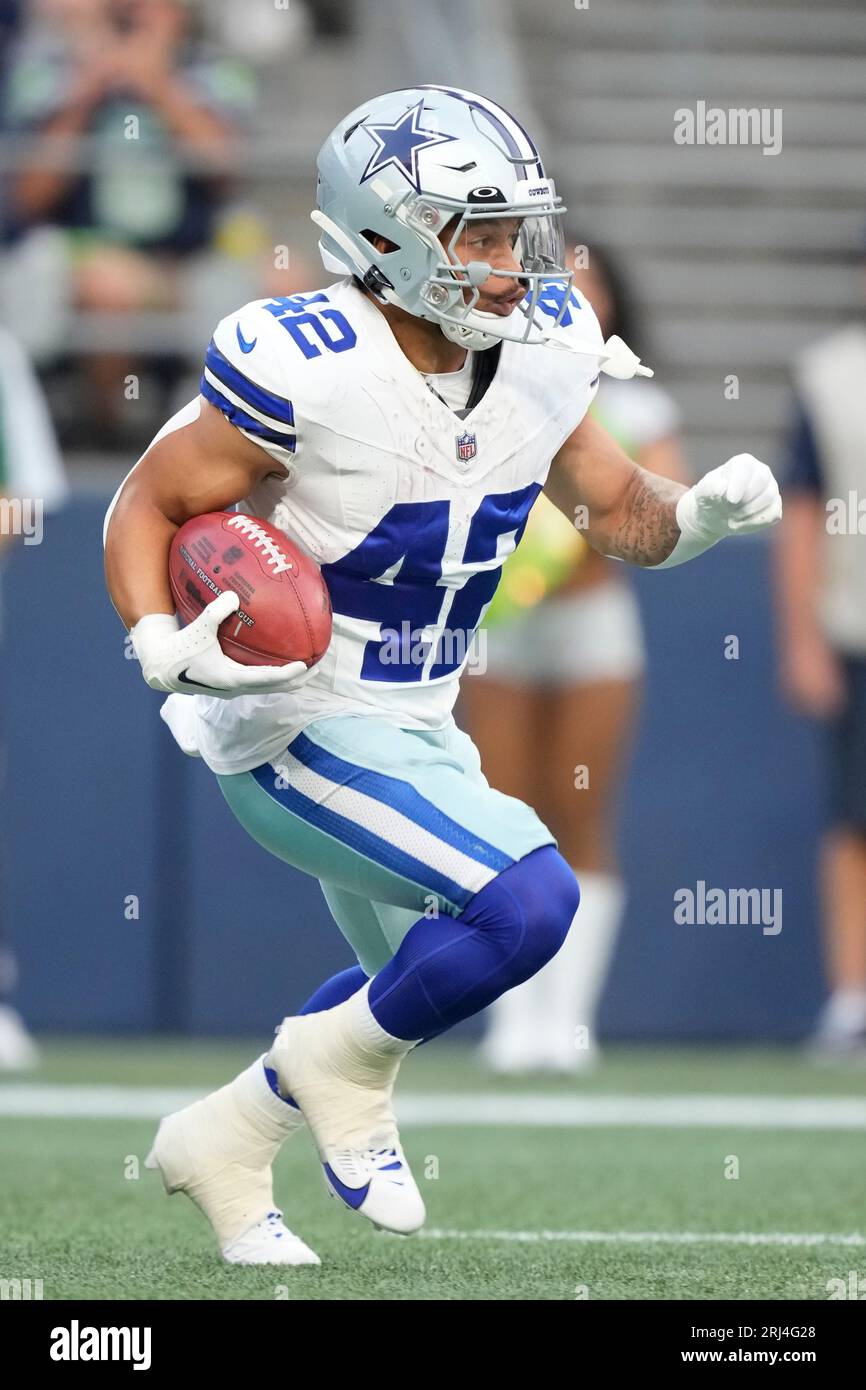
{"points": [[739, 497], [191, 661]]}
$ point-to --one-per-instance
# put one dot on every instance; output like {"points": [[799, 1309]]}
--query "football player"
{"points": [[399, 425]]}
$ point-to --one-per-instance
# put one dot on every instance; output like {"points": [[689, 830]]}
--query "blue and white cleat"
{"points": [[220, 1151], [269, 1242], [344, 1092], [364, 1181]]}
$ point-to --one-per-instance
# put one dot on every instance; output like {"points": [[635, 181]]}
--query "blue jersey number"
{"points": [[293, 313], [550, 301], [410, 542]]}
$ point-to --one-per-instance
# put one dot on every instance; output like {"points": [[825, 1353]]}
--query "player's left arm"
{"points": [[630, 514]]}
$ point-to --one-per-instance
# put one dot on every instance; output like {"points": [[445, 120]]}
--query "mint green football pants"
{"points": [[395, 823]]}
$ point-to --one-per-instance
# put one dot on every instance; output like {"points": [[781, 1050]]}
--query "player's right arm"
{"points": [[203, 466]]}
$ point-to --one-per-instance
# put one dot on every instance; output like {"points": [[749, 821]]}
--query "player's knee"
{"points": [[526, 911], [550, 896]]}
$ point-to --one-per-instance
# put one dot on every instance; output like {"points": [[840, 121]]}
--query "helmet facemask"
{"points": [[539, 252]]}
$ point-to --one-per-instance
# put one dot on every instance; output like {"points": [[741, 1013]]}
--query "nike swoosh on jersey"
{"points": [[242, 342]]}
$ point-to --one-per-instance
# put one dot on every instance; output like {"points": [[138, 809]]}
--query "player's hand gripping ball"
{"points": [[284, 613]]}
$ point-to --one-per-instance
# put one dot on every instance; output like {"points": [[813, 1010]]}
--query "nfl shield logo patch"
{"points": [[466, 447]]}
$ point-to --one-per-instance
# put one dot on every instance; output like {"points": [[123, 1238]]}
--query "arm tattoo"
{"points": [[647, 529]]}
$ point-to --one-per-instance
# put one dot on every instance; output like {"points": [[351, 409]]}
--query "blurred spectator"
{"points": [[268, 34], [10, 18], [333, 19], [471, 44], [821, 591], [564, 654], [135, 127], [32, 481]]}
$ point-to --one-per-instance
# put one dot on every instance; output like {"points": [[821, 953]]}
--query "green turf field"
{"points": [[515, 1211]]}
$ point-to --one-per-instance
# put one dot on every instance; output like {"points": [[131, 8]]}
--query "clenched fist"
{"points": [[737, 498]]}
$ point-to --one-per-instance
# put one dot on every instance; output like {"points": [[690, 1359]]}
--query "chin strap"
{"points": [[615, 358], [466, 336], [362, 266]]}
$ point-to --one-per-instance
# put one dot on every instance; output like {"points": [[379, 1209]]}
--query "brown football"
{"points": [[285, 608]]}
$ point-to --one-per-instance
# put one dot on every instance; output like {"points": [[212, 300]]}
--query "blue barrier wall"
{"points": [[100, 807]]}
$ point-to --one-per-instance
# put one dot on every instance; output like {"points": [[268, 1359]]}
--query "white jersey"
{"points": [[409, 509]]}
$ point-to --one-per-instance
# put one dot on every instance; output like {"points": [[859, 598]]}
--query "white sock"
{"points": [[845, 1011], [513, 1023], [551, 1018], [366, 1030], [261, 1106], [573, 981], [355, 1044], [340, 1066], [220, 1149]]}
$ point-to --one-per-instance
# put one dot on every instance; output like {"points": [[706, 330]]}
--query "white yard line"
{"points": [[635, 1112], [653, 1237], [479, 1109]]}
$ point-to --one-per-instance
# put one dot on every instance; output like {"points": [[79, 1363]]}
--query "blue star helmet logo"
{"points": [[398, 145]]}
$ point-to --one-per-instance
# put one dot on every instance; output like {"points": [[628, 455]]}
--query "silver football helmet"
{"points": [[402, 167]]}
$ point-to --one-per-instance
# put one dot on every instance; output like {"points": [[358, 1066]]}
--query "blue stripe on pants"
{"points": [[403, 797], [357, 837]]}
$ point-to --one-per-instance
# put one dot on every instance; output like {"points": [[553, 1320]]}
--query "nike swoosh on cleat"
{"points": [[242, 342], [352, 1196]]}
